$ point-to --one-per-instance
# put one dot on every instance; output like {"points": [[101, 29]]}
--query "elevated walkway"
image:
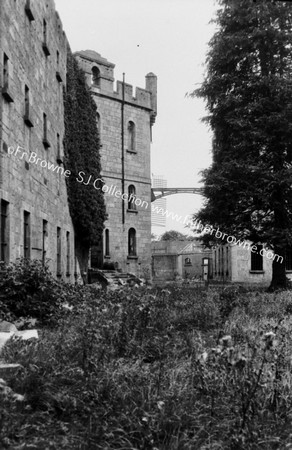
{"points": [[157, 193]]}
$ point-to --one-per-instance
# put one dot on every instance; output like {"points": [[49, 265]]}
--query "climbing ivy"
{"points": [[81, 149]]}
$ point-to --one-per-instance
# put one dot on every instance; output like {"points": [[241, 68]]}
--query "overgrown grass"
{"points": [[167, 370]]}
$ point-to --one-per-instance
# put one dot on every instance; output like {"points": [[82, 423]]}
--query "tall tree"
{"points": [[248, 91]]}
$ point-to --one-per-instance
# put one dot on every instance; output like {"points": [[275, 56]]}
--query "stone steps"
{"points": [[114, 278]]}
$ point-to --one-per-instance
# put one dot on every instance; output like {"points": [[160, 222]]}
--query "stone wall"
{"points": [[233, 263], [165, 267], [116, 112], [33, 50]]}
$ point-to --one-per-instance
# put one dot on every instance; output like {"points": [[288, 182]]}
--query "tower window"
{"points": [[131, 136], [132, 244], [95, 76], [131, 197]]}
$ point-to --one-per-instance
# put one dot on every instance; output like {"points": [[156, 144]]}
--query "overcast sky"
{"points": [[169, 38]]}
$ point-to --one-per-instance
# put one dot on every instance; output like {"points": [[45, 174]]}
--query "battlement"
{"points": [[141, 98], [100, 77]]}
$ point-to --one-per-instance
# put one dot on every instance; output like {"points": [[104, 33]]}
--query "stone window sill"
{"points": [[256, 271], [132, 257], [58, 76], [28, 120], [6, 94], [132, 211]]}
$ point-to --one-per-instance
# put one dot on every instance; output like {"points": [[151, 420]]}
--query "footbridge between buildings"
{"points": [[157, 192]]}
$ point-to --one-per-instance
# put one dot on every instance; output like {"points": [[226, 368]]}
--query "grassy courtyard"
{"points": [[176, 369]]}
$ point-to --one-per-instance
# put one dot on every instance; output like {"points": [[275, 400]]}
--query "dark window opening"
{"points": [[68, 253], [107, 243], [28, 11], [95, 77], [27, 115], [59, 157], [45, 240], [4, 234], [45, 132], [44, 31], [5, 70], [5, 80], [257, 259], [26, 234], [132, 244], [131, 197], [288, 258], [59, 256], [45, 45], [131, 137]]}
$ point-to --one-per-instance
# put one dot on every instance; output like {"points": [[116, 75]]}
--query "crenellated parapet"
{"points": [[99, 74]]}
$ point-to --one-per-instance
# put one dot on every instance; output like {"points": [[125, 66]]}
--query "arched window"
{"points": [[131, 136], [95, 76], [132, 250], [107, 243], [131, 197], [188, 262], [98, 122]]}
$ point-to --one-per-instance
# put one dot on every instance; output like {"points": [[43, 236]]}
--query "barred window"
{"points": [[257, 258]]}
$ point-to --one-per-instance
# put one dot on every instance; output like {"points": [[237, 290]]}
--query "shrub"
{"points": [[28, 289]]}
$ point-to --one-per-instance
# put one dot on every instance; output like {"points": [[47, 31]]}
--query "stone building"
{"points": [[239, 264], [124, 123], [181, 258], [35, 220]]}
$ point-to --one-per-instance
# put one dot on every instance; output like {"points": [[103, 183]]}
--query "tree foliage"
{"points": [[248, 91], [174, 235], [81, 145]]}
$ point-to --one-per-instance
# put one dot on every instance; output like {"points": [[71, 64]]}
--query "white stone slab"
{"points": [[27, 334]]}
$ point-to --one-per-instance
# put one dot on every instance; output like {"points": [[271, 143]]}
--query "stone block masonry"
{"points": [[34, 215], [35, 219], [124, 123]]}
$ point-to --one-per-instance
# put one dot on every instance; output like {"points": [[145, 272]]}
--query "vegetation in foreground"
{"points": [[145, 369]]}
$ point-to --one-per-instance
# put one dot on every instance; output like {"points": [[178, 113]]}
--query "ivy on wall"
{"points": [[81, 149]]}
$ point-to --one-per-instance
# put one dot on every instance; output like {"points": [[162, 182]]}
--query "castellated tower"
{"points": [[124, 123]]}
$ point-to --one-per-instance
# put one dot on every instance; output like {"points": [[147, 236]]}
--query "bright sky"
{"points": [[169, 38]]}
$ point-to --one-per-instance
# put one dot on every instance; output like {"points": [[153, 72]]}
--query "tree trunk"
{"points": [[279, 279], [82, 254]]}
